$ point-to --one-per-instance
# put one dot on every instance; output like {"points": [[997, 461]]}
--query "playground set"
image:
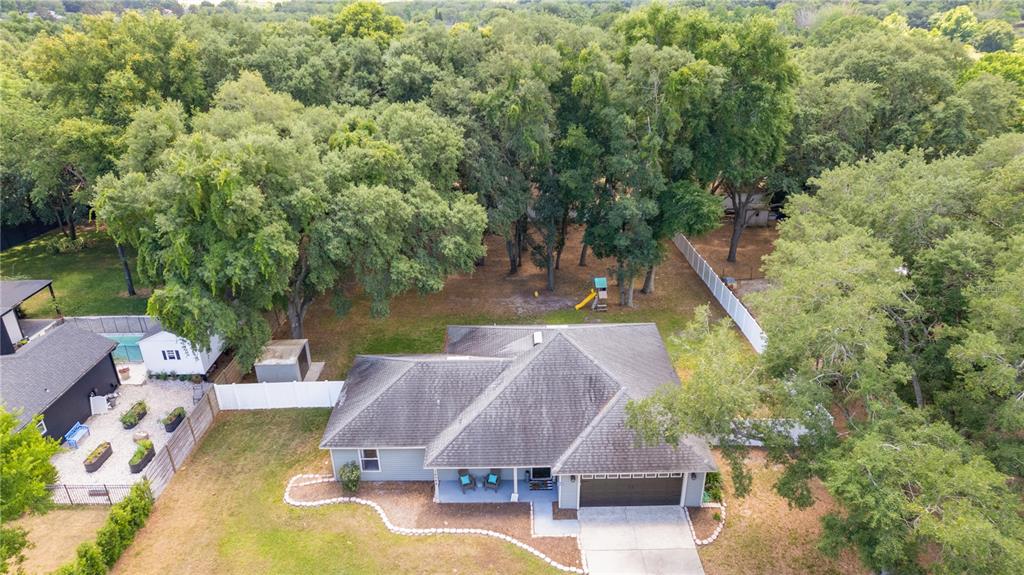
{"points": [[598, 296]]}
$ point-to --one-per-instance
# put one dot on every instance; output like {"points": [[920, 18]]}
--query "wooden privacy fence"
{"points": [[278, 395], [736, 310], [181, 443]]}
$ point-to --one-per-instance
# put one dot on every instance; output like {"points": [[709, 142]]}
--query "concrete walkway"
{"points": [[637, 541]]}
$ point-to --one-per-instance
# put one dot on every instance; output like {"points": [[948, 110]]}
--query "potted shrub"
{"points": [[143, 455], [134, 415], [173, 419], [95, 459]]}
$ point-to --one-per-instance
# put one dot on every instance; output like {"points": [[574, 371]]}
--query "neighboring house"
{"points": [[544, 404], [56, 368]]}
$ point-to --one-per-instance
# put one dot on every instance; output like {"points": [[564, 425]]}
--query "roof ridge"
{"points": [[434, 357], [342, 423], [555, 326], [583, 435], [594, 360], [486, 397]]}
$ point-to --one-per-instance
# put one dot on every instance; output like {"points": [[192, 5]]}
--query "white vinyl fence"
{"points": [[736, 310], [278, 395]]}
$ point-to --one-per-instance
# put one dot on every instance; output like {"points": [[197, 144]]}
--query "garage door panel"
{"points": [[629, 492]]}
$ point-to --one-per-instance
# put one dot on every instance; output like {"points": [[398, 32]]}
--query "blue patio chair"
{"points": [[76, 435], [493, 479], [466, 481]]}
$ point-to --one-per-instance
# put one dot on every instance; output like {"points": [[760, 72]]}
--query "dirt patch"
{"points": [[410, 504], [140, 293], [704, 520], [763, 534], [755, 243], [558, 514], [48, 551]]}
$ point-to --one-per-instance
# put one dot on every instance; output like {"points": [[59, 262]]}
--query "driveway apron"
{"points": [[637, 541]]}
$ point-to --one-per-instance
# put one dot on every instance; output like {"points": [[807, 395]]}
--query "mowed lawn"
{"points": [[223, 513], [88, 282]]}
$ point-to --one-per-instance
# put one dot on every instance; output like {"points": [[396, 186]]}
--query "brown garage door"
{"points": [[622, 492]]}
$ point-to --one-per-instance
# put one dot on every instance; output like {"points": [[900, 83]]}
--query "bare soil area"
{"points": [[704, 520], [55, 536], [755, 243]]}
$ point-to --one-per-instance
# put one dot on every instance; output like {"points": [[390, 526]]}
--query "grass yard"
{"points": [[223, 513], [89, 282], [490, 296], [55, 536], [764, 535]]}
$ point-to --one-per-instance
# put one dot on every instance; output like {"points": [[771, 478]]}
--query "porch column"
{"points": [[515, 484], [437, 488]]}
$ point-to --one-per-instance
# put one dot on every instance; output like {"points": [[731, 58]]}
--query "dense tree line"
{"points": [[259, 159]]}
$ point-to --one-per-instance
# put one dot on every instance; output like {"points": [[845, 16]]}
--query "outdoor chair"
{"points": [[493, 479], [466, 481]]}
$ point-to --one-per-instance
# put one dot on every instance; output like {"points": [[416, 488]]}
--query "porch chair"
{"points": [[493, 479], [466, 481]]}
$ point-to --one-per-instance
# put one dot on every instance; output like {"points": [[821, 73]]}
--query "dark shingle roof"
{"points": [[610, 446], [405, 401], [519, 403], [13, 292], [39, 373]]}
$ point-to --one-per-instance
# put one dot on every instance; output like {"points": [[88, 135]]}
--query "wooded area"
{"points": [[256, 159]]}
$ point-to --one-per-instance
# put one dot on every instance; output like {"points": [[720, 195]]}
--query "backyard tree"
{"points": [[267, 203], [25, 465]]}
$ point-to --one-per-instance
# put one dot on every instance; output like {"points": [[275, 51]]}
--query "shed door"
{"points": [[623, 492]]}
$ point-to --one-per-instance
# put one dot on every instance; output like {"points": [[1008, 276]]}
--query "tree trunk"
{"points": [[918, 395], [510, 249], [629, 292], [563, 230], [127, 269], [70, 217], [583, 256], [649, 281], [738, 223], [620, 281], [550, 268], [60, 221], [295, 317]]}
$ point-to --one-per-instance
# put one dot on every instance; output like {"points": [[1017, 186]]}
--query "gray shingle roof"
{"points": [[610, 446], [13, 292], [561, 400], [405, 401], [40, 372]]}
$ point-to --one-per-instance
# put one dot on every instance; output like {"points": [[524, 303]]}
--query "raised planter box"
{"points": [[171, 424], [134, 415], [137, 467], [98, 457]]}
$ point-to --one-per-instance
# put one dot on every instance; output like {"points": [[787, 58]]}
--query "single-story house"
{"points": [[545, 405], [55, 368]]}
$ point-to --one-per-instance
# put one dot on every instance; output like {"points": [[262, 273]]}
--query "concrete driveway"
{"points": [[637, 541]]}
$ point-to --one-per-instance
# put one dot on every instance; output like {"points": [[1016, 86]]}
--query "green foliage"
{"points": [[143, 447], [361, 20], [173, 414], [126, 518], [96, 453], [713, 486], [13, 542], [61, 244], [348, 475], [134, 414], [25, 466]]}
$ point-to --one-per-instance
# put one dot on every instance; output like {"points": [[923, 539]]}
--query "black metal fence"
{"points": [[97, 494]]}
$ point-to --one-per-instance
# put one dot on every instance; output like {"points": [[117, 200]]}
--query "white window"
{"points": [[587, 476], [676, 475], [41, 426], [171, 354], [369, 460], [663, 475]]}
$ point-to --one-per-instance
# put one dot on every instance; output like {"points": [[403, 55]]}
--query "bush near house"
{"points": [[713, 487], [348, 475], [126, 518]]}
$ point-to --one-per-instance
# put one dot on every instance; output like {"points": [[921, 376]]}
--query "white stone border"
{"points": [[302, 480], [717, 531]]}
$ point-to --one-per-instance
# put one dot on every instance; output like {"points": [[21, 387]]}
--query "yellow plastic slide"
{"points": [[586, 300]]}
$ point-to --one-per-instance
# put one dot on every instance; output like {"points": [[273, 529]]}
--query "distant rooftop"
{"points": [[13, 292]]}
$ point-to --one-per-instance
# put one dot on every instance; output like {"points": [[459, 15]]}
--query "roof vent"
{"points": [[538, 337]]}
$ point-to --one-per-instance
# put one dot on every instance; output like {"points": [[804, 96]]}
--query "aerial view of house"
{"points": [[539, 407]]}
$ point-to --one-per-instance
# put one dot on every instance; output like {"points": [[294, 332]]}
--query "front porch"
{"points": [[449, 491]]}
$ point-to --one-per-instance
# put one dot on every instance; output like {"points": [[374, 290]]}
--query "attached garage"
{"points": [[617, 491]]}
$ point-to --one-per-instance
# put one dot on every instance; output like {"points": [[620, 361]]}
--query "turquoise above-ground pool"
{"points": [[127, 346]]}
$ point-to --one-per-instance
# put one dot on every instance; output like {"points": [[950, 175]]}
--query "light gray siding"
{"points": [[694, 490], [568, 492], [278, 372], [395, 464]]}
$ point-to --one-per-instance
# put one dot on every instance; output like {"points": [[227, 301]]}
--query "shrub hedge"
{"points": [[125, 520], [349, 474]]}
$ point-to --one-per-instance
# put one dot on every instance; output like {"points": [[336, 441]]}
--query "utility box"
{"points": [[283, 360]]}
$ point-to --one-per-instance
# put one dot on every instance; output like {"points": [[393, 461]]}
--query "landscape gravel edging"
{"points": [[302, 480], [718, 530]]}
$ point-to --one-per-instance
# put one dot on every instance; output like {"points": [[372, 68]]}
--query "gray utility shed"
{"points": [[283, 360]]}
